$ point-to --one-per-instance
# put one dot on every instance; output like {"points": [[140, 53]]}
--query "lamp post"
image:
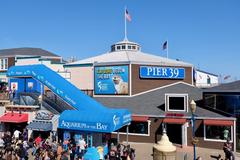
{"points": [[193, 109]]}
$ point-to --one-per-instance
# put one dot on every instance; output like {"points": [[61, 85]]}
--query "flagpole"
{"points": [[167, 48], [125, 20]]}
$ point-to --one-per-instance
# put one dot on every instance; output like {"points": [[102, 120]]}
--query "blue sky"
{"points": [[205, 33]]}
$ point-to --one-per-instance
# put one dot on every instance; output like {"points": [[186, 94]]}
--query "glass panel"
{"points": [[218, 132], [210, 100], [113, 48], [176, 103], [225, 102], [1, 64], [6, 63], [136, 127], [208, 80]]}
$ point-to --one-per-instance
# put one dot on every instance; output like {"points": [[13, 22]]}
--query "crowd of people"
{"points": [[18, 147]]}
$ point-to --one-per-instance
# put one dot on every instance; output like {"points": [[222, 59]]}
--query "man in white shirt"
{"points": [[1, 143], [82, 145], [16, 134]]}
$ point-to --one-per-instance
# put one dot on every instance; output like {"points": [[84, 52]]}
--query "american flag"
{"points": [[226, 77], [165, 45], [127, 15]]}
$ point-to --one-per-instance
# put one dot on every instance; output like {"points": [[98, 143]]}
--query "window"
{"points": [[129, 47], [208, 80], [123, 47], [217, 133], [4, 64], [176, 102], [137, 128], [229, 103], [118, 47], [134, 47], [113, 48]]}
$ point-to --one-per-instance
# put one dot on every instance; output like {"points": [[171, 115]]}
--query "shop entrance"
{"points": [[43, 134], [174, 132], [11, 127]]}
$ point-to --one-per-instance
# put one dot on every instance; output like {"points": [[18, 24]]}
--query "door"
{"points": [[174, 132]]}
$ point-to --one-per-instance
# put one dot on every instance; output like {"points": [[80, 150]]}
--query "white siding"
{"points": [[82, 77], [202, 79]]}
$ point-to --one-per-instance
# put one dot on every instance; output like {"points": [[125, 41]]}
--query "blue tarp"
{"points": [[89, 115]]}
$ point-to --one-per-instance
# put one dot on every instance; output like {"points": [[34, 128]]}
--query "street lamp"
{"points": [[193, 109]]}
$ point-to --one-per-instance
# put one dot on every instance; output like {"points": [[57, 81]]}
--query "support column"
{"points": [[29, 133], [127, 132], [118, 137]]}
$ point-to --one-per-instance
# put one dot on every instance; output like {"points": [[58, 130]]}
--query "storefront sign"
{"points": [[174, 115], [111, 80], [84, 126], [43, 115], [162, 72], [127, 118]]}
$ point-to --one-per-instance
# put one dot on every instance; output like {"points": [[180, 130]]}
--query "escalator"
{"points": [[70, 94], [49, 104]]}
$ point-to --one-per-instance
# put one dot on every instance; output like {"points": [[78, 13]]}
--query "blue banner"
{"points": [[162, 72], [111, 80]]}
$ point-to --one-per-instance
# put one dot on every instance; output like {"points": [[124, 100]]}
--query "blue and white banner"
{"points": [[111, 80], [162, 72]]}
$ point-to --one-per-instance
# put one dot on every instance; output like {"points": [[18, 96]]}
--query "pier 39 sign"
{"points": [[162, 72]]}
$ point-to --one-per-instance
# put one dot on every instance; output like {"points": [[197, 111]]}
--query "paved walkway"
{"points": [[144, 152]]}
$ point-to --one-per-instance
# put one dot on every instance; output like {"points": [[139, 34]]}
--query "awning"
{"points": [[14, 117], [40, 126], [136, 118], [174, 120], [106, 121], [217, 122]]}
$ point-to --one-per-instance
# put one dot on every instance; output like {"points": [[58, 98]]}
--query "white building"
{"points": [[205, 79], [56, 66]]}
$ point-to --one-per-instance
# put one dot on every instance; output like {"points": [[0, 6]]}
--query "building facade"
{"points": [[156, 90], [225, 99], [9, 57], [205, 79]]}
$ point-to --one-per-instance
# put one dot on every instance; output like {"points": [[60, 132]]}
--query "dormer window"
{"points": [[118, 47], [125, 46], [113, 48], [176, 102]]}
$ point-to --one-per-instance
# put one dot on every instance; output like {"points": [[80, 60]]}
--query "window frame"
{"points": [[215, 140], [184, 95], [137, 134], [3, 64]]}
